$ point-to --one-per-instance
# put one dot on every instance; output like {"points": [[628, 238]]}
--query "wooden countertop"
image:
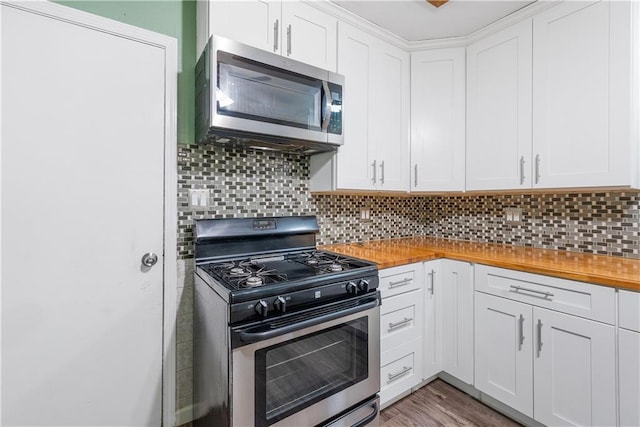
{"points": [[602, 270]]}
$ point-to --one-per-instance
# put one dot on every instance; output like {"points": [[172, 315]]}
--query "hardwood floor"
{"points": [[439, 404]]}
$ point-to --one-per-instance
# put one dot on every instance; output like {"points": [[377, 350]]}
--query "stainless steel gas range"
{"points": [[284, 334]]}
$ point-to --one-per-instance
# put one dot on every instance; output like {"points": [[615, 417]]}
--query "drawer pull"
{"points": [[403, 371], [517, 289], [400, 323], [402, 282]]}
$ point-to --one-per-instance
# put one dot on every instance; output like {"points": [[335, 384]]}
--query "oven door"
{"points": [[307, 376]]}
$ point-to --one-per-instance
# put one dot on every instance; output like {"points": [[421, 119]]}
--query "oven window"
{"points": [[296, 374]]}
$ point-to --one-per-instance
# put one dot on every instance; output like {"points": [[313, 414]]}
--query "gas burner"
{"points": [[312, 261], [237, 270], [335, 267], [253, 281]]}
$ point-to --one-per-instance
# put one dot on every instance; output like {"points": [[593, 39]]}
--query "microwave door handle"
{"points": [[328, 101]]}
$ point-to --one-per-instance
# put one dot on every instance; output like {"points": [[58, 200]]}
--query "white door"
{"points": [[389, 116], [629, 366], [504, 351], [432, 319], [437, 119], [253, 22], [83, 158], [309, 35], [582, 94], [457, 320], [575, 370], [499, 110], [356, 156]]}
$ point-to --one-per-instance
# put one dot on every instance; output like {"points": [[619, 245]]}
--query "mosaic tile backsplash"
{"points": [[246, 183], [256, 183]]}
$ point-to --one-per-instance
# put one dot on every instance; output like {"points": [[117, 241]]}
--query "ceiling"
{"points": [[416, 20]]}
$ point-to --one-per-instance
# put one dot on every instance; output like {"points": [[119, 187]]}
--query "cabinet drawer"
{"points": [[396, 280], [401, 319], [629, 310], [400, 370], [567, 296]]}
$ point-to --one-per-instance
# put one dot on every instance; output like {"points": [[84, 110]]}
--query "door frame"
{"points": [[170, 47]]}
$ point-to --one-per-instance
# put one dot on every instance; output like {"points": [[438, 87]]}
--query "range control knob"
{"points": [[363, 285], [280, 304], [262, 308], [352, 288]]}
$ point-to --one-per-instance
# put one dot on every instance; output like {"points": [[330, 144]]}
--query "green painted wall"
{"points": [[175, 18]]}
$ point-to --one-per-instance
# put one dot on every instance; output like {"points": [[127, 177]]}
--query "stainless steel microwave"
{"points": [[250, 97]]}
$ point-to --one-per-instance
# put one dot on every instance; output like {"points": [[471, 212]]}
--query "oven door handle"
{"points": [[372, 416], [252, 337]]}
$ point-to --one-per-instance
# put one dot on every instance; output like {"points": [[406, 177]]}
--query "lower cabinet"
{"points": [[629, 358], [432, 335], [401, 329], [457, 319], [504, 351], [556, 367], [574, 370]]}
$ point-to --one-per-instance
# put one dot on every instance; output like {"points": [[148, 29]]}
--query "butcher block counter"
{"points": [[603, 270]]}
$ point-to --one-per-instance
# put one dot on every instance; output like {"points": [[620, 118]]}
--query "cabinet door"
{"points": [[309, 35], [252, 22], [575, 370], [355, 158], [389, 115], [582, 94], [499, 110], [432, 320], [457, 323], [437, 120], [629, 365], [504, 351]]}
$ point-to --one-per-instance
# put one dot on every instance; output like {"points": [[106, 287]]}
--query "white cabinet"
{"points": [[503, 351], [432, 335], [539, 349], [457, 319], [375, 154], [499, 110], [290, 28], [629, 357], [401, 326], [582, 95], [438, 120], [574, 370]]}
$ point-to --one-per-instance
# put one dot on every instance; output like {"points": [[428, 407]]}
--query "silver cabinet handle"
{"points": [[403, 371], [432, 274], [517, 289], [289, 40], [415, 175], [402, 282], [382, 172], [521, 331], [275, 35], [403, 322], [539, 337], [537, 168], [375, 170], [149, 259], [522, 170]]}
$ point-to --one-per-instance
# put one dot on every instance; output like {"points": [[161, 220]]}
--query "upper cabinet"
{"points": [[499, 110], [438, 120], [375, 154], [582, 95], [290, 28]]}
